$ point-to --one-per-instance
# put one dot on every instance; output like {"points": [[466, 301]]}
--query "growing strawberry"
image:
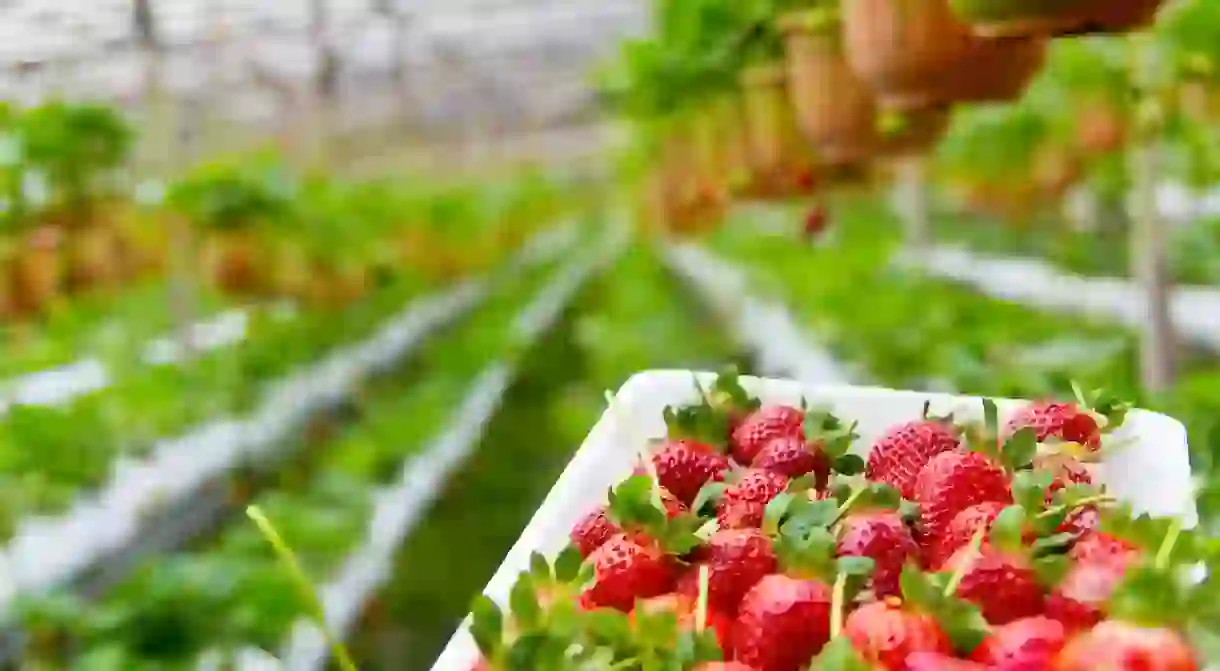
{"points": [[898, 456]]}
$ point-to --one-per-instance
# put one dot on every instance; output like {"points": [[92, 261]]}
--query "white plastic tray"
{"points": [[1151, 470]]}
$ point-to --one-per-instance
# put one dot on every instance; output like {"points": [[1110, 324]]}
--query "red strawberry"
{"points": [[935, 661], [1028, 644], [898, 456], [684, 466], [963, 527], [736, 559], [882, 536], [1000, 582], [884, 633], [783, 621], [724, 666], [627, 568], [1115, 645], [1078, 599], [594, 529], [745, 502], [1052, 420], [952, 482], [761, 427], [686, 610], [793, 457]]}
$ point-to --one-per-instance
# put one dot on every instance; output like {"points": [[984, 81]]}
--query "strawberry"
{"points": [[885, 633], [627, 568], [934, 661], [745, 501], [736, 559], [724, 666], [782, 622], [1082, 422], [954, 481], [1077, 601], [902, 452], [1027, 644], [684, 466], [594, 529], [1115, 645], [1100, 546], [763, 426], [963, 527], [1001, 581], [871, 525], [822, 444]]}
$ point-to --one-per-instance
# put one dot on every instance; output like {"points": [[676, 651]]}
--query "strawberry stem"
{"points": [[836, 605], [955, 579], [851, 500], [289, 559], [1164, 553], [1087, 501], [701, 604]]}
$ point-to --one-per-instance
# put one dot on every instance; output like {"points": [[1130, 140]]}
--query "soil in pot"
{"points": [[835, 109]]}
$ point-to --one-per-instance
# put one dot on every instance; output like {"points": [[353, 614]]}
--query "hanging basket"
{"points": [[1054, 18], [1002, 70], [835, 109]]}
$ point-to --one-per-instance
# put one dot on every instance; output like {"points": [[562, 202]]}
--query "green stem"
{"points": [[701, 605], [304, 585], [955, 580], [836, 605], [1087, 501], [851, 500], [1166, 550]]}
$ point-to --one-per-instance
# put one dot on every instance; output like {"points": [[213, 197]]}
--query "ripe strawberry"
{"points": [[783, 621], [952, 482], [736, 559], [882, 536], [1115, 645], [745, 502], [761, 427], [600, 525], [1051, 420], [686, 611], [1000, 582], [791, 456], [627, 568], [1028, 644], [898, 456], [1078, 600], [683, 467], [724, 666], [885, 634], [963, 527], [934, 661], [1100, 546]]}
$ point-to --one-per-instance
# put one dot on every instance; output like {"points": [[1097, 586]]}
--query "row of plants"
{"points": [[920, 332], [223, 594], [637, 317], [145, 404]]}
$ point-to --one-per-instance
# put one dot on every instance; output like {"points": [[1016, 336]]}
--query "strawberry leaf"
{"points": [[806, 516], [776, 510], [840, 655], [1051, 569], [1029, 488], [917, 588], [708, 496], [540, 569], [694, 648], [1019, 451], [848, 464], [991, 418], [487, 625], [964, 624], [1008, 528], [523, 603], [567, 564]]}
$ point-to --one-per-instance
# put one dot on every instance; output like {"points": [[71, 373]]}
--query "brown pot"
{"points": [[1002, 70], [37, 271], [835, 109], [92, 257], [918, 133], [232, 262], [1055, 18]]}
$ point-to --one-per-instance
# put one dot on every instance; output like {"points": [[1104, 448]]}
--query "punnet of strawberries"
{"points": [[753, 538]]}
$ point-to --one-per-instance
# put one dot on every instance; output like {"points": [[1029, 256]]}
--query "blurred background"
{"points": [[372, 265]]}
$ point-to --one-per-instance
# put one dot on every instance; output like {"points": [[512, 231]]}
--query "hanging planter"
{"points": [[37, 272], [1052, 18], [835, 109]]}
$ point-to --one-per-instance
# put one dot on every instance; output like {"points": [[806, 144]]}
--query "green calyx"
{"points": [[543, 620], [1014, 454], [805, 545], [840, 655], [728, 394], [824, 429], [700, 423], [1105, 404], [934, 595], [632, 505]]}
